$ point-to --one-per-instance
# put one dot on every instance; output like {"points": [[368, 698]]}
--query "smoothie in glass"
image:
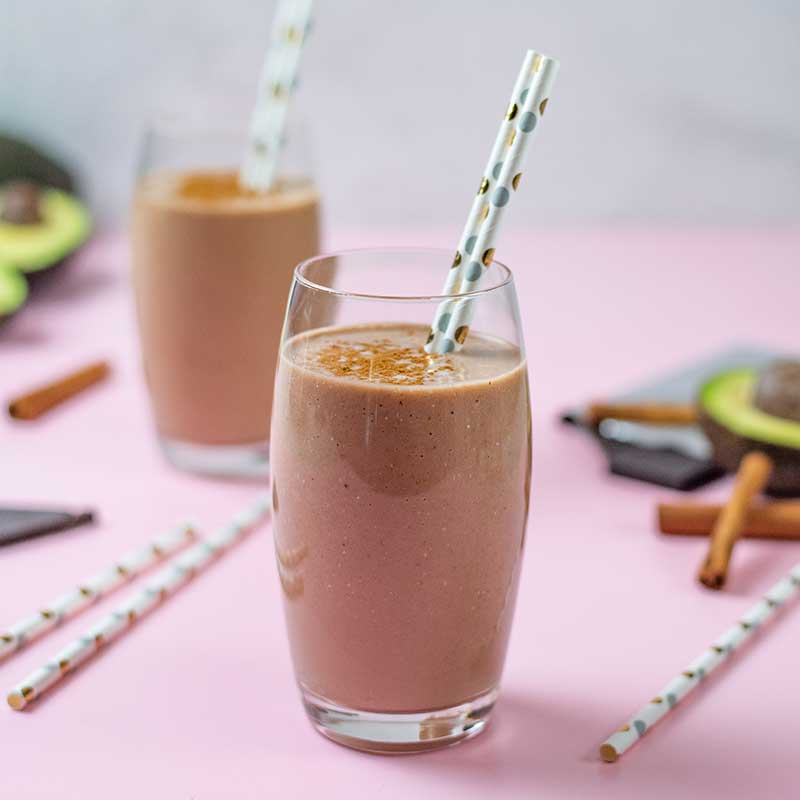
{"points": [[212, 266], [401, 485]]}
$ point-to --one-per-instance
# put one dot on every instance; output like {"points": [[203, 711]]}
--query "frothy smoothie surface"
{"points": [[394, 355], [219, 191], [400, 486]]}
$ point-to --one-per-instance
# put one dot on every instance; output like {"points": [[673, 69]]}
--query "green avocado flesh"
{"points": [[728, 400], [13, 290], [65, 226]]}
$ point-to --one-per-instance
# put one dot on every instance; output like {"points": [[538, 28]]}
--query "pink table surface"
{"points": [[198, 700]]}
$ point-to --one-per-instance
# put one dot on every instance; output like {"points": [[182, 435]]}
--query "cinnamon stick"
{"points": [[652, 413], [34, 404], [751, 477], [776, 520]]}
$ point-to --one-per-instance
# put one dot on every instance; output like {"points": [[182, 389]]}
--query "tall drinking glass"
{"points": [[212, 263], [400, 490]]}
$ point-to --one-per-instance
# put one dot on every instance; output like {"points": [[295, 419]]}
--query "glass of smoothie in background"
{"points": [[212, 266], [400, 494]]}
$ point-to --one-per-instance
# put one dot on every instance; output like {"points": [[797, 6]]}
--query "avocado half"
{"points": [[736, 425], [13, 291], [63, 225]]}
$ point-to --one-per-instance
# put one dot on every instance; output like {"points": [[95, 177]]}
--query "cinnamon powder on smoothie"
{"points": [[389, 361]]}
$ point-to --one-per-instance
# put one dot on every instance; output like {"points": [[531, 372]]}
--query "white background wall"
{"points": [[672, 111]]}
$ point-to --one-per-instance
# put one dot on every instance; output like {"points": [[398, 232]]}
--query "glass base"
{"points": [[398, 733], [227, 461]]}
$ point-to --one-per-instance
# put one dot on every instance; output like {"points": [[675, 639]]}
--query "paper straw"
{"points": [[500, 180], [90, 591], [703, 665], [278, 79], [163, 584], [490, 174]]}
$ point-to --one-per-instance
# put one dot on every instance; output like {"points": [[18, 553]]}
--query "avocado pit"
{"points": [[20, 203], [778, 390]]}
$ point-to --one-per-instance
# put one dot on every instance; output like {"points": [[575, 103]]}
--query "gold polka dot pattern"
{"points": [[501, 176], [161, 586], [711, 658], [290, 27], [99, 585]]}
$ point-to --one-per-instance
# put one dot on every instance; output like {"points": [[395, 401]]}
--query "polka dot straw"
{"points": [[92, 589], [163, 584], [500, 180], [290, 29], [639, 724]]}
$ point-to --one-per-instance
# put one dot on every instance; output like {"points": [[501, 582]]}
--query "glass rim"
{"points": [[506, 280]]}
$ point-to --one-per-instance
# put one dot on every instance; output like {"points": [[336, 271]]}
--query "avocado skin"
{"points": [[20, 160], [729, 448]]}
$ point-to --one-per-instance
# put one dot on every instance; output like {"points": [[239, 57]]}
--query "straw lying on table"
{"points": [[278, 79], [163, 584], [705, 663], [500, 180], [74, 601]]}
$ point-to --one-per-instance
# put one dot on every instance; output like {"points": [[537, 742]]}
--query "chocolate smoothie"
{"points": [[400, 485], [212, 266]]}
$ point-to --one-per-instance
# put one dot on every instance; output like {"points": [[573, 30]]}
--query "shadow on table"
{"points": [[530, 743], [756, 567], [81, 277], [21, 330], [76, 279], [541, 747]]}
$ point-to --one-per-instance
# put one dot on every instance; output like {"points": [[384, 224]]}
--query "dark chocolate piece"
{"points": [[663, 467], [18, 524]]}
